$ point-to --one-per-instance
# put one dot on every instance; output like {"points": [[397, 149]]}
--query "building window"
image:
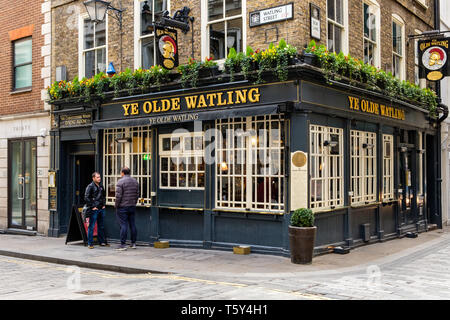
{"points": [[335, 25], [363, 167], [93, 53], [224, 27], [371, 47], [135, 154], [327, 167], [22, 63], [388, 167], [398, 60], [250, 163], [182, 162], [145, 51]]}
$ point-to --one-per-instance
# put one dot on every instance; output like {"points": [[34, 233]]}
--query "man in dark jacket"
{"points": [[95, 199], [127, 195]]}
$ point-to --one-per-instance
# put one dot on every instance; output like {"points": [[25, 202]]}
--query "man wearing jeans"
{"points": [[95, 199], [127, 194]]}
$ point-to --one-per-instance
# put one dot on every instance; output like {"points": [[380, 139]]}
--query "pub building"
{"points": [[227, 163]]}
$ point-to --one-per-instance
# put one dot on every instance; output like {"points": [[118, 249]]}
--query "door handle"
{"points": [[21, 190]]}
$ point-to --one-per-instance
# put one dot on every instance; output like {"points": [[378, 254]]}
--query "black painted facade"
{"points": [[190, 219]]}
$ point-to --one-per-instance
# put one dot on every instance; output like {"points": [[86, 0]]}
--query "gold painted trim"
{"points": [[365, 205], [330, 210], [181, 208], [202, 92], [249, 211]]}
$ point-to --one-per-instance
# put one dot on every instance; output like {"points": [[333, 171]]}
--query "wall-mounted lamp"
{"points": [[421, 151], [368, 146], [403, 149], [328, 143]]}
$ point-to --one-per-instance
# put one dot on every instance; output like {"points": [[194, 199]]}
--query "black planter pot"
{"points": [[302, 241], [293, 60], [208, 72], [310, 58]]}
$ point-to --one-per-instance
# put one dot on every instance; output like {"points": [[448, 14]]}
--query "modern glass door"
{"points": [[22, 160]]}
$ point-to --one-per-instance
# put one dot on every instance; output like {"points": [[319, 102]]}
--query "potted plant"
{"points": [[302, 235], [309, 55], [208, 68]]}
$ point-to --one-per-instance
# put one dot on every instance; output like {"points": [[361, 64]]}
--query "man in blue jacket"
{"points": [[95, 199], [127, 195]]}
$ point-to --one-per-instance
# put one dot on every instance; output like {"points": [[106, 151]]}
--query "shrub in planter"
{"points": [[302, 235], [120, 81], [233, 63], [193, 70]]}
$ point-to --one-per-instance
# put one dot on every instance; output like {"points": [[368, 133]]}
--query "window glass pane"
{"points": [[339, 12], [330, 42], [217, 41], [337, 39], [160, 6], [147, 53], [23, 76], [22, 52], [100, 34], [88, 34], [166, 144], [366, 20], [101, 60], [234, 35], [233, 8], [215, 9], [330, 6], [89, 64]]}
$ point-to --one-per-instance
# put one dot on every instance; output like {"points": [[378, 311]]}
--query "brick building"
{"points": [[347, 26], [195, 207], [24, 116]]}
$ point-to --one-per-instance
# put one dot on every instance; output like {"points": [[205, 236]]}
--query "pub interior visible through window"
{"points": [[250, 163], [135, 154], [326, 168], [182, 161], [363, 167]]}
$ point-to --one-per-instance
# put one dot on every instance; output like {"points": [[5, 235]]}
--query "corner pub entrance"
{"points": [[218, 165]]}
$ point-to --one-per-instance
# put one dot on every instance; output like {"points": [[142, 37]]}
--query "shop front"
{"points": [[226, 164]]}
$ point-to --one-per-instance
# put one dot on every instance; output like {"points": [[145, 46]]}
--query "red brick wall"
{"points": [[15, 14]]}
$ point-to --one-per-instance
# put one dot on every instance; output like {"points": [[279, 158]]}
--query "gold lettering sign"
{"points": [[367, 106], [193, 102]]}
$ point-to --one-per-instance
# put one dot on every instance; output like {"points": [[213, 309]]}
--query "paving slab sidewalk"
{"points": [[210, 262]]}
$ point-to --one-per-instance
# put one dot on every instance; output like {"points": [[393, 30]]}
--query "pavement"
{"points": [[226, 264]]}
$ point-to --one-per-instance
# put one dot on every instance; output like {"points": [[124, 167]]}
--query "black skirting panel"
{"points": [[388, 221], [363, 216], [330, 227], [237, 228], [180, 224], [142, 220]]}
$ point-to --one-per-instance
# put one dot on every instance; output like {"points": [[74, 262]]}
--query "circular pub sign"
{"points": [[433, 59]]}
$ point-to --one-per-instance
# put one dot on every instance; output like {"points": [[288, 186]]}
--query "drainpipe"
{"points": [[437, 26]]}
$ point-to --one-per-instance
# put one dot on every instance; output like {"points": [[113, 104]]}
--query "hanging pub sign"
{"points": [[166, 43], [433, 57]]}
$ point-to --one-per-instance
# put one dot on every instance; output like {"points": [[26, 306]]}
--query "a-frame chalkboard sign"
{"points": [[76, 230]]}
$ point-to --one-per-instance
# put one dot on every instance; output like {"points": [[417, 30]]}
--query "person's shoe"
{"points": [[122, 247], [133, 246], [91, 247], [104, 244]]}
